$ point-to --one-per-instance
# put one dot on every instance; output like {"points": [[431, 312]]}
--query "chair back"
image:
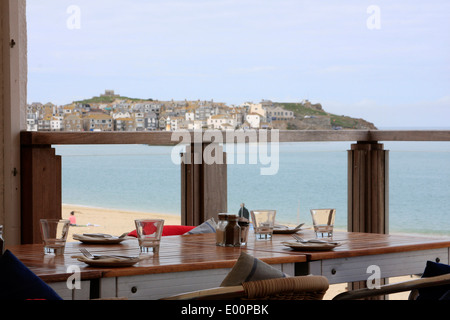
{"points": [[290, 288]]}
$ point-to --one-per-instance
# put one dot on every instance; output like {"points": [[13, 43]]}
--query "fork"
{"points": [[89, 255], [300, 239]]}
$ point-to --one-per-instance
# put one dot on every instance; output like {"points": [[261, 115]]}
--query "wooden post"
{"points": [[41, 189], [203, 185], [368, 199], [13, 100]]}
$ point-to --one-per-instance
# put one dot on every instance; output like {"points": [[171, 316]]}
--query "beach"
{"points": [[117, 222], [114, 222]]}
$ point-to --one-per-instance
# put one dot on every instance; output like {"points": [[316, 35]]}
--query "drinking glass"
{"points": [[323, 222], [54, 235], [149, 233], [263, 222]]}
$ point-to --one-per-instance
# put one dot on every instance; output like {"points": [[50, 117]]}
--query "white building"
{"points": [[217, 121], [258, 109], [175, 123], [56, 123], [120, 114], [196, 124], [254, 120], [189, 115], [32, 124]]}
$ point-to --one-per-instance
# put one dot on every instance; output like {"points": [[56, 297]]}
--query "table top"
{"points": [[199, 252], [357, 244], [176, 254]]}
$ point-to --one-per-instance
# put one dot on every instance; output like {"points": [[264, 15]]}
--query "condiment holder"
{"points": [[231, 230]]}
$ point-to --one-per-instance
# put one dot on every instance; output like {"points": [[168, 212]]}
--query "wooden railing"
{"points": [[165, 138], [204, 186]]}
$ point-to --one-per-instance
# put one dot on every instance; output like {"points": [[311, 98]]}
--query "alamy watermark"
{"points": [[73, 22], [374, 280], [373, 22], [74, 280], [242, 147]]}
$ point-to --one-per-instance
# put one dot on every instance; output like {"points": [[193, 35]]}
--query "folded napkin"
{"points": [[315, 243], [97, 235], [110, 262]]}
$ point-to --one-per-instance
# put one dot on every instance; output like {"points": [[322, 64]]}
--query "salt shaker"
{"points": [[220, 229]]}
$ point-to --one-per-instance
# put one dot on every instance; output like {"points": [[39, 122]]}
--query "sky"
{"points": [[387, 62]]}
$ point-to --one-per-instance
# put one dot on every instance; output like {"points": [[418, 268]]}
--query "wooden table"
{"points": [[393, 255], [185, 263], [194, 262]]}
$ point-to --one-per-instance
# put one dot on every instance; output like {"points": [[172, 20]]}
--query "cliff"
{"points": [[310, 116]]}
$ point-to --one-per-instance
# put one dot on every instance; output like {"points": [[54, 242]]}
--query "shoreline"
{"points": [[91, 207], [91, 219]]}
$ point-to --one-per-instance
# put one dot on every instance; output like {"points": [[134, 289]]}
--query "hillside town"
{"points": [[149, 115]]}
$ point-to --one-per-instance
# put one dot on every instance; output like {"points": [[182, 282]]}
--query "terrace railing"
{"points": [[204, 185]]}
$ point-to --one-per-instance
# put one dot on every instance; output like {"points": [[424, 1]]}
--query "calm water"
{"points": [[310, 175]]}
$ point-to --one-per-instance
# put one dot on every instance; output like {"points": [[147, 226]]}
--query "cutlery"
{"points": [[97, 235], [103, 235], [300, 239], [286, 227], [89, 255]]}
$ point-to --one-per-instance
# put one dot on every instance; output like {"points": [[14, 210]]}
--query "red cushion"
{"points": [[169, 230], [176, 230], [149, 228]]}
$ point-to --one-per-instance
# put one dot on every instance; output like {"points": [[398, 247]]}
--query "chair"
{"points": [[307, 288], [291, 288], [410, 285]]}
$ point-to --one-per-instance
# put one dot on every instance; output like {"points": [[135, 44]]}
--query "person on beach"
{"points": [[73, 219]]}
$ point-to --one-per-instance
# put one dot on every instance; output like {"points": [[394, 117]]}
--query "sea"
{"points": [[302, 176]]}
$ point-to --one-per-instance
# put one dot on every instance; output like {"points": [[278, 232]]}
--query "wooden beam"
{"points": [[41, 190], [203, 185], [80, 138], [409, 135], [165, 137], [13, 84]]}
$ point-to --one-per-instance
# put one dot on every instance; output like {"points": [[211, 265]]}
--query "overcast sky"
{"points": [[385, 61]]}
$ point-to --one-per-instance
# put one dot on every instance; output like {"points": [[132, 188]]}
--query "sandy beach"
{"points": [[116, 222]]}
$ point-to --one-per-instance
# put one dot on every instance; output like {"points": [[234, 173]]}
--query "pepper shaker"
{"points": [[232, 232]]}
